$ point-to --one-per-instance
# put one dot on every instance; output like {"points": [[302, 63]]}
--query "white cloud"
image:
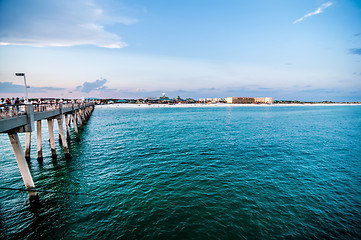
{"points": [[61, 23], [317, 11]]}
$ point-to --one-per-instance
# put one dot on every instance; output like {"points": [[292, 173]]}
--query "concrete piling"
{"points": [[51, 137], [62, 136], [80, 120], [75, 126], [67, 127], [82, 113], [69, 119], [23, 167], [27, 145], [38, 141]]}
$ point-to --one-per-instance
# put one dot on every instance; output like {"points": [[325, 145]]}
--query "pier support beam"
{"points": [[82, 113], [80, 120], [75, 126], [23, 167], [51, 137], [62, 135], [60, 140], [67, 127], [87, 113], [69, 119], [38, 141], [27, 145]]}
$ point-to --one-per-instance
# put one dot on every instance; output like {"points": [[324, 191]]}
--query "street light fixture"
{"points": [[25, 86]]}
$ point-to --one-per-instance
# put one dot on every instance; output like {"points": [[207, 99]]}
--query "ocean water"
{"points": [[290, 172]]}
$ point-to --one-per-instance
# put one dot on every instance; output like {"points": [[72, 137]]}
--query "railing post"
{"points": [[61, 108], [30, 115]]}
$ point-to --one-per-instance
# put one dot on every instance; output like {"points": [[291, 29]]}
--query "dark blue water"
{"points": [[195, 173]]}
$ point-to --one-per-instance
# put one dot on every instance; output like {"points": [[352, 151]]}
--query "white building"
{"points": [[267, 100]]}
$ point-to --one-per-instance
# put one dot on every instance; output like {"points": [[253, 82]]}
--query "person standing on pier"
{"points": [[2, 103], [7, 104], [12, 103], [17, 103]]}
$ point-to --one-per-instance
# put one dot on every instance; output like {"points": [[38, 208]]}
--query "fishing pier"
{"points": [[22, 118]]}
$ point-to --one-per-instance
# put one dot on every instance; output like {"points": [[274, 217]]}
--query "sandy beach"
{"points": [[218, 105]]}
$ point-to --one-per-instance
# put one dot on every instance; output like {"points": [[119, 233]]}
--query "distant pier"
{"points": [[23, 119]]}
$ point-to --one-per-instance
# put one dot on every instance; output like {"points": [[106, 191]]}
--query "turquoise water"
{"points": [[195, 173]]}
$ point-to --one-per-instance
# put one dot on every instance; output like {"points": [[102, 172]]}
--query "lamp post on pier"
{"points": [[25, 86]]}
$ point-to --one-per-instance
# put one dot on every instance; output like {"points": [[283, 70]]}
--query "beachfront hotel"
{"points": [[248, 100]]}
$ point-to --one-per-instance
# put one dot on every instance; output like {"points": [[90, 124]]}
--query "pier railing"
{"points": [[8, 111], [14, 116], [46, 107]]}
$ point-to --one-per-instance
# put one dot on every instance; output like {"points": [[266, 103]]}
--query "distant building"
{"points": [[210, 100], [190, 100], [266, 100], [164, 98], [122, 101], [243, 100], [179, 99]]}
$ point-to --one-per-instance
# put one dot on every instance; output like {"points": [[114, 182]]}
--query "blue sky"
{"points": [[301, 49]]}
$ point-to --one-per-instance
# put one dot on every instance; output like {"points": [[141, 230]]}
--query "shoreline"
{"points": [[125, 105]]}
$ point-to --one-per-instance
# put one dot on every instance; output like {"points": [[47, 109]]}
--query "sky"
{"points": [[307, 50]]}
